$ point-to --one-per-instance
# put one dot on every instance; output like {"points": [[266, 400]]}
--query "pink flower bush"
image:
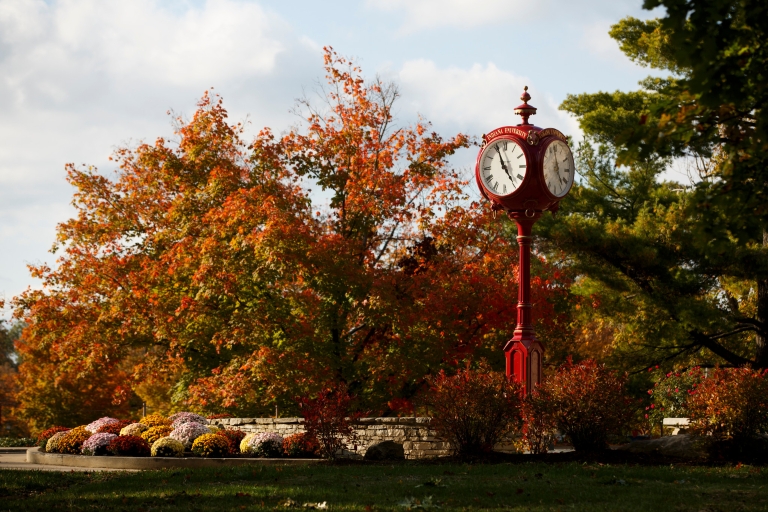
{"points": [[180, 418], [97, 444], [96, 425], [186, 433]]}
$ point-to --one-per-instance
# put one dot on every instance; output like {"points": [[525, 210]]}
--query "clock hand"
{"points": [[503, 165]]}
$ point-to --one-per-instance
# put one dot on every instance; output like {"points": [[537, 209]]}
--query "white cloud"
{"points": [[475, 100], [456, 13], [81, 77]]}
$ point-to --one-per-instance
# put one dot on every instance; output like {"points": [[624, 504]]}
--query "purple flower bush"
{"points": [[186, 433], [97, 444], [180, 418], [96, 425], [265, 444]]}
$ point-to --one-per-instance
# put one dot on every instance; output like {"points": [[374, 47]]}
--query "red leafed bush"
{"points": [[129, 446], [474, 408], [235, 436], [43, 438], [538, 424], [114, 428], [327, 419], [587, 402], [730, 405], [301, 445]]}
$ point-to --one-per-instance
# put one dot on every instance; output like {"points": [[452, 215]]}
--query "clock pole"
{"points": [[523, 352], [538, 183]]}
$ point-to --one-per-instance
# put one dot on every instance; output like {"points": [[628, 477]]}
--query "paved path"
{"points": [[16, 458]]}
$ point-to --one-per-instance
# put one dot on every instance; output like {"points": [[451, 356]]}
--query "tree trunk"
{"points": [[761, 339]]}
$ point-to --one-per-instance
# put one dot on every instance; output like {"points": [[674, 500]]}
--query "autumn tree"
{"points": [[207, 274]]}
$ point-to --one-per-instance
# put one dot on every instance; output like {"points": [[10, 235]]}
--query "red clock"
{"points": [[524, 170]]}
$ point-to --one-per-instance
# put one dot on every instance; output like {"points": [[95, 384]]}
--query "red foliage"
{"points": [[327, 419], [301, 445], [46, 434], [474, 408], [731, 404], [114, 428], [129, 446], [538, 424], [235, 436], [587, 402]]}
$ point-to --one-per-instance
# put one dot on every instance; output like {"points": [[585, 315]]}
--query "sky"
{"points": [[80, 78]]}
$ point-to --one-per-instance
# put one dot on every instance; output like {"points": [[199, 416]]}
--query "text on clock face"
{"points": [[503, 170]]}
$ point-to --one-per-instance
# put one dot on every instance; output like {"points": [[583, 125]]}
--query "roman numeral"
{"points": [[518, 156], [496, 186], [519, 177], [505, 189], [487, 168], [522, 166], [567, 170], [505, 145], [489, 178]]}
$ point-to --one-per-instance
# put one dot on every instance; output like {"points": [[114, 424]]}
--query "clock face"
{"points": [[502, 166], [558, 168]]}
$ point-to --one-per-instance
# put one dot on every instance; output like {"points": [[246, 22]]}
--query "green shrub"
{"points": [[17, 442]]}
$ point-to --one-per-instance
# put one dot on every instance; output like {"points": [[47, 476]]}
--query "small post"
{"points": [[275, 411], [143, 409]]}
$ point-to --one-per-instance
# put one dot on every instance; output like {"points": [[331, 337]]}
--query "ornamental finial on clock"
{"points": [[525, 110]]}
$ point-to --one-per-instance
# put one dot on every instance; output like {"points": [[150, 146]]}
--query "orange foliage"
{"points": [[209, 259]]}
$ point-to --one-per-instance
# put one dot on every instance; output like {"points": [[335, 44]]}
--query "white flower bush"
{"points": [[134, 429], [167, 447], [186, 433], [94, 426], [97, 444], [264, 444]]}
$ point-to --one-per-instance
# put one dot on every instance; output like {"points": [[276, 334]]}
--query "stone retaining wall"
{"points": [[418, 439]]}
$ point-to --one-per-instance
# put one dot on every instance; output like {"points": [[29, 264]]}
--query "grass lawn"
{"points": [[415, 486]]}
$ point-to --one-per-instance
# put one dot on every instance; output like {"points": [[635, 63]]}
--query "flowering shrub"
{"points": [[134, 429], [167, 447], [587, 402], [180, 418], [538, 425], [211, 445], [129, 446], [72, 442], [213, 428], [731, 404], [473, 408], [300, 445], [114, 428], [186, 433], [52, 446], [235, 436], [327, 419], [264, 444], [669, 396], [155, 420], [94, 426], [97, 444], [154, 433], [45, 435]]}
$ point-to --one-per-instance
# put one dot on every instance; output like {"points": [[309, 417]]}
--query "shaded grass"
{"points": [[527, 486]]}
